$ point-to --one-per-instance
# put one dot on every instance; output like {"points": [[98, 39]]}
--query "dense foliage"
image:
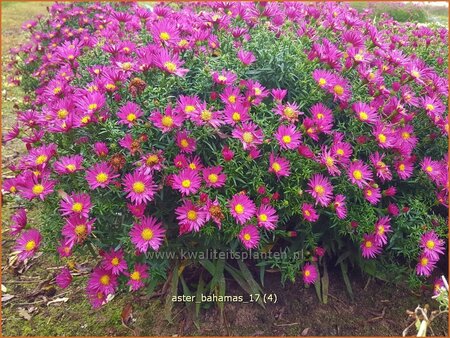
{"points": [[231, 126]]}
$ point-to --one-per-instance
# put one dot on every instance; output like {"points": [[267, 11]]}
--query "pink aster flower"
{"points": [[148, 233], [384, 135], [103, 281], [213, 211], [227, 154], [242, 208], [101, 149], [382, 227], [139, 186], [279, 94], [139, 273], [279, 165], [267, 217], [431, 245], [187, 181], [246, 57], [340, 88], [114, 262], [364, 112], [170, 63], [187, 105], [369, 246], [18, 222], [322, 116], [185, 143], [206, 116], [224, 77], [76, 204], [68, 164], [28, 243], [235, 113], [383, 171], [167, 121], [432, 168], [359, 173], [36, 188], [425, 265], [321, 189], [329, 161], [64, 278], [249, 134], [309, 273], [190, 217], [322, 77], [214, 177], [288, 112], [249, 237], [152, 162], [372, 194], [137, 210], [288, 137], [404, 168], [77, 228], [231, 95], [339, 206], [100, 175], [96, 298], [393, 209], [194, 163], [309, 213], [129, 114], [65, 248], [438, 285]]}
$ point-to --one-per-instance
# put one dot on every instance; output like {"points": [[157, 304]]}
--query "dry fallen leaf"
{"points": [[4, 289], [305, 331], [23, 313], [6, 297], [58, 300], [127, 314]]}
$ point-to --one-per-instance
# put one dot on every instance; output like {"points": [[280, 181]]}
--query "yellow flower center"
{"points": [[192, 166], [320, 116], [329, 161], [41, 159], [320, 190], [430, 107], [38, 189], [152, 159], [213, 178], [135, 275], [424, 261], [131, 117], [287, 139], [406, 135], [101, 177], [186, 183], [105, 280], [62, 113], [289, 112], [415, 74], [167, 121], [322, 82], [307, 273], [57, 90], [340, 152], [189, 109], [138, 187], [247, 137], [263, 217], [80, 229], [382, 138], [77, 207], [239, 208], [276, 167], [307, 213], [85, 119], [164, 36], [115, 261], [71, 167], [247, 237], [232, 99], [170, 66], [110, 86], [192, 215], [147, 234], [357, 174], [401, 167], [12, 189], [126, 65], [236, 117], [222, 78], [369, 192], [30, 245], [363, 116], [380, 230], [92, 106], [368, 244], [339, 90], [429, 169], [430, 244], [184, 143], [206, 115]]}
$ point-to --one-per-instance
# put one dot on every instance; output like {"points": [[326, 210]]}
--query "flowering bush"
{"points": [[230, 126]]}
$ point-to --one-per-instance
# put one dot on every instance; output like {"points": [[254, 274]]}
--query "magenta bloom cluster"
{"points": [[153, 128]]}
